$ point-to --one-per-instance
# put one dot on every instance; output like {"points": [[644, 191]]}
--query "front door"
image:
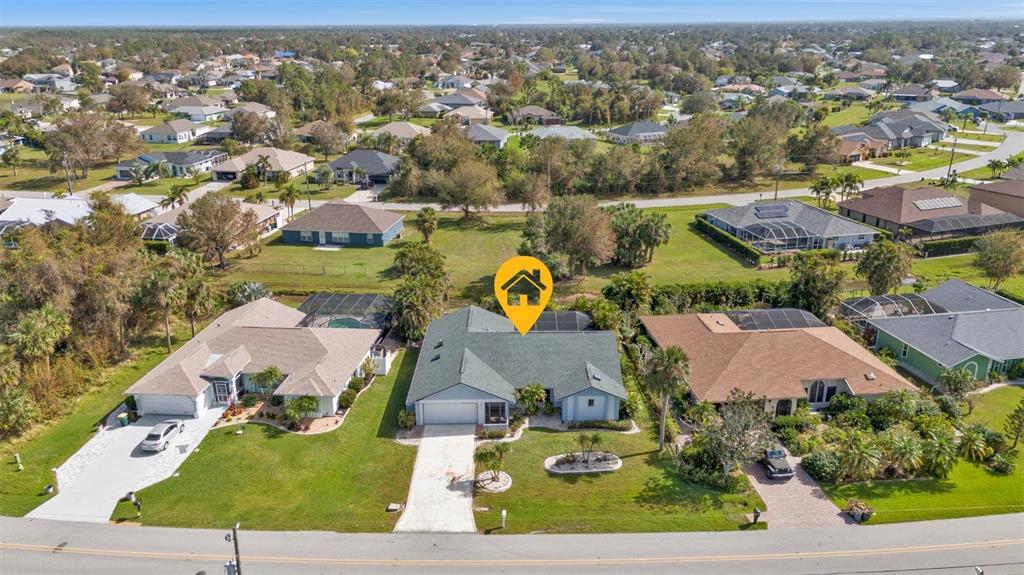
{"points": [[783, 407], [220, 392]]}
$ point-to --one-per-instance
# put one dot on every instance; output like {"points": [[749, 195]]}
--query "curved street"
{"points": [[995, 544]]}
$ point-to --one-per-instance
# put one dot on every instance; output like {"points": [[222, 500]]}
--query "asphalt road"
{"points": [[994, 543]]}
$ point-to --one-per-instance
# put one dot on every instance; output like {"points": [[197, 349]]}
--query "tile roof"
{"points": [[483, 350], [341, 216], [774, 364]]}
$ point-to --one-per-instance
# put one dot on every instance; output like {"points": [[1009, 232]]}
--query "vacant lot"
{"points": [[270, 479], [922, 159], [970, 489]]}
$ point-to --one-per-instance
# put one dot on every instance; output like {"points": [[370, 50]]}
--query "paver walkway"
{"points": [[794, 504], [111, 464], [441, 492]]}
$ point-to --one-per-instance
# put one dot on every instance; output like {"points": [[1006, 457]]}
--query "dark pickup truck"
{"points": [[775, 463]]}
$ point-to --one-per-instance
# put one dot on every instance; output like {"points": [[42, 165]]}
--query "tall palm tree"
{"points": [[12, 158], [822, 189], [196, 296], [426, 222], [37, 334], [667, 376], [289, 195], [850, 183], [263, 167], [325, 177], [176, 196], [268, 379], [161, 290]]}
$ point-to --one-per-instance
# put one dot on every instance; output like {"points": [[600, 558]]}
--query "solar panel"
{"points": [[771, 211], [562, 321], [768, 319], [938, 203]]}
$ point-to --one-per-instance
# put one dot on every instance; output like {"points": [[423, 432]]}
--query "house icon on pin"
{"points": [[524, 288]]}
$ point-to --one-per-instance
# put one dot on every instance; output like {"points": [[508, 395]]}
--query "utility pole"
{"points": [[952, 153], [233, 538], [309, 200], [778, 174]]}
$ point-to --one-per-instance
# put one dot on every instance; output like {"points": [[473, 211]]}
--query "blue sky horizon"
{"points": [[264, 13]]}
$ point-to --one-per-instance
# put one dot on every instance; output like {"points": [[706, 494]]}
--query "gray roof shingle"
{"points": [[341, 216], [952, 338]]}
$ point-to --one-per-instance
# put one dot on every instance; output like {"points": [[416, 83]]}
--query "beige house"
{"points": [[278, 161], [1005, 195]]}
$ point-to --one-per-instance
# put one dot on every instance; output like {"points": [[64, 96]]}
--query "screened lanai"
{"points": [[779, 236], [359, 311], [860, 309]]}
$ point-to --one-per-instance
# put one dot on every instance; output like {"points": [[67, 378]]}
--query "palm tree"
{"points": [[196, 296], [997, 167], [325, 177], [849, 183], [973, 445], [822, 189], [859, 454], [902, 156], [12, 158], [176, 196], [161, 290], [288, 196], [667, 376], [903, 451], [258, 197], [263, 167], [940, 453], [426, 222], [195, 174], [37, 334], [138, 175], [268, 379]]}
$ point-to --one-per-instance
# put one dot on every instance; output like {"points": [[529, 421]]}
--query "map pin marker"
{"points": [[523, 286]]}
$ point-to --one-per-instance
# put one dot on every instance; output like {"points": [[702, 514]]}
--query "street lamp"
{"points": [[233, 538]]}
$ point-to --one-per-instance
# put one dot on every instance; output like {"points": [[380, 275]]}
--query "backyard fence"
{"points": [[357, 269]]}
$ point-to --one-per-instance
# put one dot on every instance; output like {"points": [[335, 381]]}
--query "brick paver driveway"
{"points": [[796, 503], [441, 492]]}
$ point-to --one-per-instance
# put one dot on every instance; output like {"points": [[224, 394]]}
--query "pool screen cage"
{"points": [[862, 309], [780, 236], [160, 232], [360, 311]]}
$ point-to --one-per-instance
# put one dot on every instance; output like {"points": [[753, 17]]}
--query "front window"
{"points": [[495, 412], [816, 393], [590, 403], [306, 236]]}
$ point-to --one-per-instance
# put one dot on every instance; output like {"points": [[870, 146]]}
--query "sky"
{"points": [[482, 12]]}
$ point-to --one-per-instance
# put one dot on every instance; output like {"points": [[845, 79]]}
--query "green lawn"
{"points": [[473, 253], [855, 114], [922, 159], [937, 270], [338, 191], [273, 480], [34, 174], [947, 146], [982, 173], [49, 446], [970, 490], [984, 137], [162, 186], [380, 121], [646, 494]]}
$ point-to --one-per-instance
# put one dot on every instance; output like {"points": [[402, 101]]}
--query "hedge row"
{"points": [[933, 248], [745, 251], [738, 294]]}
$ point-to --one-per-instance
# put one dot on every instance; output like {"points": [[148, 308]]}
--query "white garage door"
{"points": [[444, 412], [166, 405]]}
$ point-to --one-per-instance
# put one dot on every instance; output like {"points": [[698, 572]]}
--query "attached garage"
{"points": [[191, 406], [449, 412]]}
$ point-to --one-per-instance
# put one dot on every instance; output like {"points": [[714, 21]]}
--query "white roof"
{"points": [[135, 204], [39, 211]]}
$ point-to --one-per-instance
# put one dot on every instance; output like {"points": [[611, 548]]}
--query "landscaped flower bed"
{"points": [[579, 462]]}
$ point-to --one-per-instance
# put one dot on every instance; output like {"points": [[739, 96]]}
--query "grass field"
{"points": [[161, 186], [270, 479], [947, 146], [982, 173], [854, 114], [646, 494], [48, 446], [984, 137], [338, 191], [970, 489], [473, 253], [937, 270], [34, 175], [922, 159]]}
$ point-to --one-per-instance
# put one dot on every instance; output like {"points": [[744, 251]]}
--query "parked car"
{"points": [[776, 464], [160, 436]]}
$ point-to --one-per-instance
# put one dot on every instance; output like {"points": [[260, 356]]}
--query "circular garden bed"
{"points": [[593, 462], [486, 482]]}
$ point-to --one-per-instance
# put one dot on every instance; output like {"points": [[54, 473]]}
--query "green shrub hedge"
{"points": [[948, 247], [745, 251], [678, 298]]}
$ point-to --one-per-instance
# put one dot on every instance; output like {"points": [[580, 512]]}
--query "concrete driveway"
{"points": [[111, 464], [441, 493], [796, 503]]}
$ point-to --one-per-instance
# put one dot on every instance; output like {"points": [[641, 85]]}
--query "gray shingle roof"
{"points": [[952, 338], [814, 220], [482, 350], [375, 163], [956, 295], [484, 133], [341, 216], [634, 129]]}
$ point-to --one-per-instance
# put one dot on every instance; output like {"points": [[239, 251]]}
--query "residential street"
{"points": [[996, 543]]}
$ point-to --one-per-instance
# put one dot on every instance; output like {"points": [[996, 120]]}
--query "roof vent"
{"points": [[870, 376], [720, 322], [436, 357], [595, 376], [440, 343]]}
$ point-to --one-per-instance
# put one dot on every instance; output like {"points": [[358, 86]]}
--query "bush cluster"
{"points": [[823, 466], [346, 399]]}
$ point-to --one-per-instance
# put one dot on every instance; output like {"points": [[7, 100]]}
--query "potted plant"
{"points": [[855, 508]]}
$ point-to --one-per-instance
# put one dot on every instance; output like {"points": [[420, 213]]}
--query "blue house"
{"points": [[473, 361], [339, 223]]}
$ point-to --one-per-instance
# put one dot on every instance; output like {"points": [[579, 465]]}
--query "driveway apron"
{"points": [[794, 504], [441, 492], [112, 464]]}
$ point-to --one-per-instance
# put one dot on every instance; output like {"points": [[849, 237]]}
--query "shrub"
{"points": [[1001, 465], [713, 479], [806, 444], [853, 420], [824, 466], [249, 181], [730, 242], [1016, 372], [631, 407], [17, 412], [796, 422], [516, 422], [891, 408], [356, 384], [346, 399], [718, 295], [406, 419], [491, 434], [844, 402], [567, 459], [250, 400], [933, 248], [788, 436], [276, 400], [157, 247], [949, 407], [621, 425]]}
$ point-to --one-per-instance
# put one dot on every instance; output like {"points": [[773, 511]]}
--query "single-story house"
{"points": [[279, 161], [928, 212], [192, 101], [899, 129], [174, 132], [780, 355], [472, 362], [642, 132], [534, 115], [849, 93], [200, 113], [16, 213], [564, 132], [360, 164], [15, 86], [1005, 195], [260, 110], [467, 115], [304, 133], [979, 96], [911, 93], [216, 367], [402, 131], [946, 86], [951, 296], [458, 100], [860, 148], [432, 110], [481, 135], [164, 226], [789, 226], [339, 223], [1004, 111], [940, 105], [178, 163], [981, 341], [454, 81]]}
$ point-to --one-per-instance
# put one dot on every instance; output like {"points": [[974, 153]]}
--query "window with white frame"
{"points": [[306, 236]]}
